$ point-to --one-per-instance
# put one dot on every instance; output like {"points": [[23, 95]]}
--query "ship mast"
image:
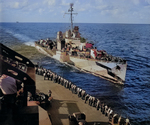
{"points": [[70, 10]]}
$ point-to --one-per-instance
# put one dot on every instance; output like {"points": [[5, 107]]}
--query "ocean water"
{"points": [[129, 41]]}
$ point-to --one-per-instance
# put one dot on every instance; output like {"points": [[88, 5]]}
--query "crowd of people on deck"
{"points": [[49, 44], [85, 52], [99, 54], [89, 99]]}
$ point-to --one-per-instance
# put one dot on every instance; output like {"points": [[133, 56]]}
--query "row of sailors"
{"points": [[111, 58], [92, 101]]}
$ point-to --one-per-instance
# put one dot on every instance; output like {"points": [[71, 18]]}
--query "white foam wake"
{"points": [[25, 39], [30, 44]]}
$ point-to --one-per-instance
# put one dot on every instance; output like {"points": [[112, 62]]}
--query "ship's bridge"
{"points": [[68, 37]]}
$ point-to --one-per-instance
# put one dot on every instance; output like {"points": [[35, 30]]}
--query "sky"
{"points": [[89, 11]]}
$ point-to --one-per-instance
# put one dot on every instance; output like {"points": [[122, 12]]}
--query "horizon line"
{"points": [[74, 23]]}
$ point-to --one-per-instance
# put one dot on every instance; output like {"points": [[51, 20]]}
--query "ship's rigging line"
{"points": [[71, 18]]}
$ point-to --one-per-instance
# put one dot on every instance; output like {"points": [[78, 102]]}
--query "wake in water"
{"points": [[30, 44], [16, 33]]}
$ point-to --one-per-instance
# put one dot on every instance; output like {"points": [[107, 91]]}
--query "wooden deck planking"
{"points": [[64, 103]]}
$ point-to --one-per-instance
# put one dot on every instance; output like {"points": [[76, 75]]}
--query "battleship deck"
{"points": [[64, 103]]}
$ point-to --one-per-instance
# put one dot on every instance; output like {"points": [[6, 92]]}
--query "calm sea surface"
{"points": [[129, 41]]}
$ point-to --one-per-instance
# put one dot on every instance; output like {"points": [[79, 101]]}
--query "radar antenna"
{"points": [[70, 10]]}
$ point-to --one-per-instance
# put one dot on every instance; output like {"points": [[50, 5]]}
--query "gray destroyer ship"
{"points": [[72, 49]]}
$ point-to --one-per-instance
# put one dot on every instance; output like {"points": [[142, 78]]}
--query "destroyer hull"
{"points": [[101, 69], [105, 70]]}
